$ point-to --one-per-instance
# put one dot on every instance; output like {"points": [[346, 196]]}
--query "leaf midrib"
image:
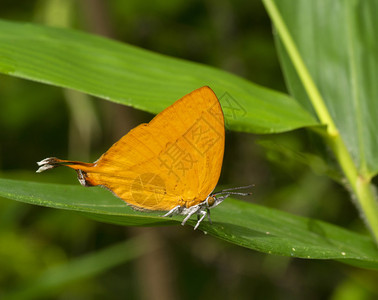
{"points": [[352, 57]]}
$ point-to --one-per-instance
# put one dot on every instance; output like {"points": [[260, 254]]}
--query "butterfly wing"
{"points": [[175, 159]]}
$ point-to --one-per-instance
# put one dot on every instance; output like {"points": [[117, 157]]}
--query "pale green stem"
{"points": [[359, 183]]}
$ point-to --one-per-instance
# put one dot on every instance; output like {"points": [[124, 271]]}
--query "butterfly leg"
{"points": [[208, 215], [190, 212], [174, 211], [203, 213]]}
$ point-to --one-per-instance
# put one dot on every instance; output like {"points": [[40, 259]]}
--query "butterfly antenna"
{"points": [[229, 191]]}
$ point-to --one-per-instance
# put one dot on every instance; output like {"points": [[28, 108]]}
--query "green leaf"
{"points": [[244, 224], [129, 75], [318, 165], [338, 42]]}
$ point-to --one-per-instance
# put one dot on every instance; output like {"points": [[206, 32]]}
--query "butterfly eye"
{"points": [[210, 201]]}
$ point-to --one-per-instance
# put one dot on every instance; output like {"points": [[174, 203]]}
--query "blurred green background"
{"points": [[53, 254]]}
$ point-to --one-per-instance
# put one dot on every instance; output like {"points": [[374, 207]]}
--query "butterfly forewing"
{"points": [[175, 159]]}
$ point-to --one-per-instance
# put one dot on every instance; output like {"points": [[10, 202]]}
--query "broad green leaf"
{"points": [[339, 44], [315, 162], [244, 224], [140, 78]]}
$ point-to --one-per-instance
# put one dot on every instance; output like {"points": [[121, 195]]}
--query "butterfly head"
{"points": [[214, 200]]}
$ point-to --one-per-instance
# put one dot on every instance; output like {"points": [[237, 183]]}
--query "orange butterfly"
{"points": [[171, 164]]}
